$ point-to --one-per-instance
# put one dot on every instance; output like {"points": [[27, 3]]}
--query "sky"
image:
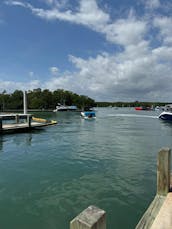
{"points": [[109, 50]]}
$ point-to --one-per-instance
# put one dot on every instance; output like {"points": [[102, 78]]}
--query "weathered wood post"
{"points": [[17, 118], [1, 124], [29, 118], [163, 171], [91, 218]]}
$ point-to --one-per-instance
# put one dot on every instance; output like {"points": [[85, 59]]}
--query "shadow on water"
{"points": [[26, 137]]}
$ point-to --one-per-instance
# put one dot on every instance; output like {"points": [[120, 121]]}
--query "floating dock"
{"points": [[22, 123]]}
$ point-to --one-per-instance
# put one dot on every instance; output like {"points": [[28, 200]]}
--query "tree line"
{"points": [[46, 99], [43, 99], [130, 104]]}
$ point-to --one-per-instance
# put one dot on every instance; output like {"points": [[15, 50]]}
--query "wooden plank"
{"points": [[151, 213], [20, 127], [164, 217], [163, 171], [90, 218]]}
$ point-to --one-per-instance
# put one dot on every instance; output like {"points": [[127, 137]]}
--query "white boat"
{"points": [[167, 113], [60, 107]]}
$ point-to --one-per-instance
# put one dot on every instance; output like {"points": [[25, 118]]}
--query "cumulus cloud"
{"points": [[164, 24], [152, 4], [139, 71], [11, 86], [54, 70]]}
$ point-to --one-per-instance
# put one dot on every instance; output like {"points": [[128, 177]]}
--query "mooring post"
{"points": [[1, 124], [17, 119], [29, 118], [163, 171], [91, 218]]}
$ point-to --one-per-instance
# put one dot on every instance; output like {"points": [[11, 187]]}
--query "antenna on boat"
{"points": [[25, 102]]}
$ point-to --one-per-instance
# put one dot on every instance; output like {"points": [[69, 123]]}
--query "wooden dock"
{"points": [[157, 216], [159, 213], [22, 123]]}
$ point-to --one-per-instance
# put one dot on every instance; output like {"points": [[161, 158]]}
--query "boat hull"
{"points": [[166, 116]]}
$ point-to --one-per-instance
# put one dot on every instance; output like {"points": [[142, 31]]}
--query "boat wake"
{"points": [[132, 116]]}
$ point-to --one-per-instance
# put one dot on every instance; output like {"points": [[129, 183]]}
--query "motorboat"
{"points": [[143, 108], [167, 113], [88, 113], [60, 107]]}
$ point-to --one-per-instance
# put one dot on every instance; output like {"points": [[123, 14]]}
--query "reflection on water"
{"points": [[48, 177]]}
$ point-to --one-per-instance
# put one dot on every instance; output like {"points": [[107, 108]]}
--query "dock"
{"points": [[13, 123], [159, 212]]}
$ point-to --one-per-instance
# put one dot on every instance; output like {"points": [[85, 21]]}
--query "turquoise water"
{"points": [[47, 177]]}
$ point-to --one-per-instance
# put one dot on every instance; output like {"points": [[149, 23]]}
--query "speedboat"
{"points": [[143, 108], [167, 113], [88, 114]]}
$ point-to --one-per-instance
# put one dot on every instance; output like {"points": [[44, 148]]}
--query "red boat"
{"points": [[142, 108], [138, 108]]}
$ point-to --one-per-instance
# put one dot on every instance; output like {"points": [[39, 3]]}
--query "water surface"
{"points": [[47, 177]]}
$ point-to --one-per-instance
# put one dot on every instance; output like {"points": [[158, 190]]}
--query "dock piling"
{"points": [[17, 118], [29, 119], [91, 218], [163, 171], [1, 125]]}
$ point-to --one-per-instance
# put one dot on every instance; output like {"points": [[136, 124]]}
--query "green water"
{"points": [[47, 177]]}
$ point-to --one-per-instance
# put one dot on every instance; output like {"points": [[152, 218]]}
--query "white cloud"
{"points": [[126, 31], [138, 71], [15, 3], [54, 70], [152, 4], [56, 3], [10, 86], [164, 24], [118, 77]]}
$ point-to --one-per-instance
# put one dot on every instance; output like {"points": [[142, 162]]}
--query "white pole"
{"points": [[25, 102]]}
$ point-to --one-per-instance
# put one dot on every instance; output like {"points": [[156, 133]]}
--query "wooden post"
{"points": [[17, 119], [91, 218], [163, 171], [1, 124], [29, 118], [25, 102]]}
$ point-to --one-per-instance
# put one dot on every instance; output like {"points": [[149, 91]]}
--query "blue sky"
{"points": [[109, 50]]}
